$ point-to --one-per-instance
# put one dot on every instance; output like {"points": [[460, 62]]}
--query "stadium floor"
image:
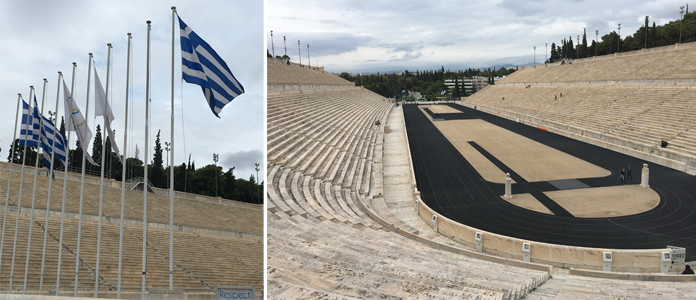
{"points": [[450, 185]]}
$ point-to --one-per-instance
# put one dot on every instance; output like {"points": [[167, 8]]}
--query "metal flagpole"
{"points": [[33, 193], [82, 183], [50, 183], [147, 136], [101, 180], [19, 198], [123, 174], [65, 179], [9, 180], [171, 173]]}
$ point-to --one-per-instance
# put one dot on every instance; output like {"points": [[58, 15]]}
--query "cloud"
{"points": [[243, 161], [406, 57], [320, 43], [381, 36], [402, 46]]}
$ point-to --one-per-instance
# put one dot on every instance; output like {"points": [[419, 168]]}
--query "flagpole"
{"points": [[171, 173], [50, 183], [123, 174], [65, 179], [82, 183], [33, 194], [145, 181], [19, 198], [101, 180], [9, 180]]}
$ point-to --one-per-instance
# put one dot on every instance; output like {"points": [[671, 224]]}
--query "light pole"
{"points": [[257, 183], [299, 53], [577, 46], [681, 16], [309, 62], [546, 53], [285, 46], [272, 46], [167, 147], [618, 44], [534, 57], [596, 41], [646, 32], [215, 159]]}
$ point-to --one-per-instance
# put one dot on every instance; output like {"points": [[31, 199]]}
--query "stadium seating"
{"points": [[208, 253], [666, 63], [631, 99], [582, 287], [187, 212], [324, 166]]}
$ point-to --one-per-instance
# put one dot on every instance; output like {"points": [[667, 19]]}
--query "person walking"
{"points": [[623, 176]]}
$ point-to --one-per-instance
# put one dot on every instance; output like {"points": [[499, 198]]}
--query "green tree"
{"points": [[157, 177], [96, 150]]}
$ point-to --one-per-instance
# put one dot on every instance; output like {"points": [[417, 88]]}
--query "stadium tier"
{"points": [[634, 100], [342, 222], [216, 242], [325, 166]]}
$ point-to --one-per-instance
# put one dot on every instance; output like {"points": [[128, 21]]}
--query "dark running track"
{"points": [[452, 187]]}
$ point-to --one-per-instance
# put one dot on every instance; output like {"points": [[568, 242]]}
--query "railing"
{"points": [[678, 254], [134, 182]]}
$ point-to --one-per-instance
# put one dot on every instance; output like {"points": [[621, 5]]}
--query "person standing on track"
{"points": [[629, 173], [623, 176]]}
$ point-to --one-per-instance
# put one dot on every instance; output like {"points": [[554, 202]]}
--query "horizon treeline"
{"points": [[647, 36], [187, 178]]}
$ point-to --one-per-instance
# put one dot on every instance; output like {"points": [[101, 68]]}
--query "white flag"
{"points": [[76, 122], [100, 100]]}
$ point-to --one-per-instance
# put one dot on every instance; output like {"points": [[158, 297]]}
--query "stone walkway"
{"points": [[397, 179]]}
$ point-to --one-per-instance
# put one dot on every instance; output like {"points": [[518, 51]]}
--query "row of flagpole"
{"points": [[31, 139], [201, 65]]}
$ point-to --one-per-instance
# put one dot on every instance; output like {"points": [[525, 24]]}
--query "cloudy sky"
{"points": [[40, 38], [371, 36]]}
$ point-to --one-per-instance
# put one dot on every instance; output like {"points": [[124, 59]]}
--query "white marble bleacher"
{"points": [[336, 258], [190, 213], [670, 63], [581, 288], [664, 121], [635, 98], [321, 181], [187, 212]]}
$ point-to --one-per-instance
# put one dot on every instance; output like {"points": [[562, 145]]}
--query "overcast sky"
{"points": [[371, 36], [40, 38]]}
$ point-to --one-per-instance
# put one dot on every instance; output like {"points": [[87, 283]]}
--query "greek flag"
{"points": [[52, 139], [201, 65], [29, 131]]}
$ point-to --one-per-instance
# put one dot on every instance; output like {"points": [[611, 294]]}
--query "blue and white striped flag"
{"points": [[201, 65], [29, 133], [51, 136]]}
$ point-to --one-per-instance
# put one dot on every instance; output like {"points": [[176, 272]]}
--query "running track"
{"points": [[453, 188]]}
